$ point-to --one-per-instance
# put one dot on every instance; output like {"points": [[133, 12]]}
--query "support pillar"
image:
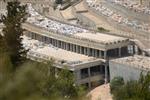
{"points": [[80, 50], [105, 54], [96, 52], [71, 47], [88, 51], [84, 50], [77, 49], [100, 54], [52, 42], [61, 45], [89, 73], [119, 52], [74, 48], [93, 52], [67, 46], [106, 74], [77, 74]]}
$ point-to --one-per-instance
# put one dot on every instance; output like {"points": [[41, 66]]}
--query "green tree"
{"points": [[5, 63], [134, 90], [65, 84], [116, 83], [13, 30], [37, 81]]}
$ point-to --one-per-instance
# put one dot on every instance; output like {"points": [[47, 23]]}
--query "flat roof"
{"points": [[101, 37], [48, 51], [80, 7], [61, 54], [137, 61], [67, 13]]}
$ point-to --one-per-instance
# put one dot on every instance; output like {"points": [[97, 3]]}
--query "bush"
{"points": [[116, 83], [101, 29]]}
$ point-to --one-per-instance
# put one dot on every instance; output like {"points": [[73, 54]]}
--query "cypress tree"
{"points": [[16, 15]]}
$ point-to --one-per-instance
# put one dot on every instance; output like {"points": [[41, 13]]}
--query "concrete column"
{"points": [[89, 73], [70, 47], [67, 46], [80, 49], [64, 45], [77, 49], [105, 54], [136, 49], [100, 54], [88, 51], [52, 41], [77, 74], [96, 52], [74, 48], [61, 45], [56, 43], [119, 52], [106, 74], [93, 52], [84, 50]]}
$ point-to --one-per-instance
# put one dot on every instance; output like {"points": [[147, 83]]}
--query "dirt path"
{"points": [[101, 93]]}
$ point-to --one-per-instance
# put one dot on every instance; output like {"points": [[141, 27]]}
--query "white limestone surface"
{"points": [[100, 37]]}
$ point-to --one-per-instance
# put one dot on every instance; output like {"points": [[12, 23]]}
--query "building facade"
{"points": [[129, 68]]}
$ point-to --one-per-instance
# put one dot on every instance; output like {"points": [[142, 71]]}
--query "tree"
{"points": [[65, 84], [37, 81], [5, 63], [116, 83], [13, 30], [134, 90]]}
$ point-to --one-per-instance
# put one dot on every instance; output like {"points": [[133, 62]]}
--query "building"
{"points": [[89, 71], [129, 68], [84, 52]]}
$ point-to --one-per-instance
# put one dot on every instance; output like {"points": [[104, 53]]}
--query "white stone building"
{"points": [[129, 68]]}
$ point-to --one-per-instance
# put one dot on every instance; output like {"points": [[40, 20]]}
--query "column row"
{"points": [[70, 47]]}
